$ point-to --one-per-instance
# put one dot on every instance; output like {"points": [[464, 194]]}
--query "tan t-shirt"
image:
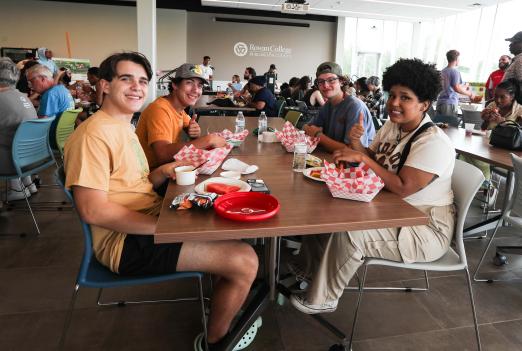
{"points": [[104, 153], [160, 121]]}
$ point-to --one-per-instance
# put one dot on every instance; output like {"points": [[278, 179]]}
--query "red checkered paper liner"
{"points": [[355, 183], [215, 157], [288, 137], [228, 134]]}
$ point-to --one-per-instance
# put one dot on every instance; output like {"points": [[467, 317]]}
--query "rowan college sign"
{"points": [[258, 50]]}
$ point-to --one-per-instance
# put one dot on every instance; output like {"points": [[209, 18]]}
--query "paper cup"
{"points": [[469, 128], [269, 137], [185, 175]]}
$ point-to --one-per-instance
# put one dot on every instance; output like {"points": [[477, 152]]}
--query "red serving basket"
{"points": [[246, 207]]}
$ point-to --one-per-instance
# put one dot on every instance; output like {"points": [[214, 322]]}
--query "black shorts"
{"points": [[141, 256]]}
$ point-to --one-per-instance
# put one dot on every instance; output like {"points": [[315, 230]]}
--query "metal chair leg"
{"points": [[472, 300], [204, 321], [29, 205], [68, 317], [389, 288], [359, 298], [484, 255]]}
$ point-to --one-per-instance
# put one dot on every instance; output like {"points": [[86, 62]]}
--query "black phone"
{"points": [[258, 185]]}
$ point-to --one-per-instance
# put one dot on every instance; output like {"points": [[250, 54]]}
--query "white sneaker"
{"points": [[300, 303], [14, 195], [32, 188]]}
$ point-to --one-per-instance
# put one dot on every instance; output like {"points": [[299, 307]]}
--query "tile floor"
{"points": [[37, 275]]}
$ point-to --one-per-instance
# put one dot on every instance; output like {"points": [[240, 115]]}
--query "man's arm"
{"points": [[258, 105], [95, 208], [165, 151]]}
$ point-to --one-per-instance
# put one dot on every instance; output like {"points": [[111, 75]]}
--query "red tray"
{"points": [[241, 206]]}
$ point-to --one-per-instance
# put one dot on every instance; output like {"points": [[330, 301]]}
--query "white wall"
{"points": [[95, 30]]}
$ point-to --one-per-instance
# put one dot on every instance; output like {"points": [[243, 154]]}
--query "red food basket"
{"points": [[247, 207]]}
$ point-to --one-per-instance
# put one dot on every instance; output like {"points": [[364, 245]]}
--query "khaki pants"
{"points": [[334, 258]]}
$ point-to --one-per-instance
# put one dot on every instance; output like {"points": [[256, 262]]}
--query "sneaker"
{"points": [[244, 342], [14, 195], [300, 303]]}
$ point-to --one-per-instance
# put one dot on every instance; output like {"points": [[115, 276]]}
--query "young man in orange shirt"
{"points": [[161, 123]]}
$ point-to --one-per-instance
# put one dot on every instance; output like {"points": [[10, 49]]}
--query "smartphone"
{"points": [[258, 185]]}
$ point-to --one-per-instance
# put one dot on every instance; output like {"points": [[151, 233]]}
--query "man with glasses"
{"points": [[339, 114], [55, 98], [162, 122]]}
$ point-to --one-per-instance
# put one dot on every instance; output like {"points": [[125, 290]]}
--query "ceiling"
{"points": [[405, 10]]}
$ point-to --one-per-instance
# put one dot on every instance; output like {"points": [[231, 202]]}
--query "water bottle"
{"points": [[262, 125], [240, 122], [299, 163]]}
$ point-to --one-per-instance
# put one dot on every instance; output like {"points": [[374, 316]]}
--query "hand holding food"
{"points": [[348, 155], [312, 130]]}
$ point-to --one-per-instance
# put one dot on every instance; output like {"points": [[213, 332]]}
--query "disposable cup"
{"points": [[469, 128], [185, 175]]}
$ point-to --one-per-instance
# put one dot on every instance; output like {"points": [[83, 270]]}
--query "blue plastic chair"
{"points": [[93, 275], [31, 153]]}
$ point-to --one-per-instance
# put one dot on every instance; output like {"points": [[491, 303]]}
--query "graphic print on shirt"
{"points": [[387, 156]]}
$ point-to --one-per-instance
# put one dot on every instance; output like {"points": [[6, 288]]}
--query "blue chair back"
{"points": [[31, 150]]}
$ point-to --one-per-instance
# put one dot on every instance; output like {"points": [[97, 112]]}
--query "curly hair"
{"points": [[422, 78]]}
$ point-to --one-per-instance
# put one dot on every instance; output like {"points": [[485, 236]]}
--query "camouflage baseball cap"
{"points": [[189, 70], [329, 67]]}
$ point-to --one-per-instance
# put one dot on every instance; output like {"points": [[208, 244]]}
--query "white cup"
{"points": [[488, 133], [469, 128], [269, 137], [185, 175]]}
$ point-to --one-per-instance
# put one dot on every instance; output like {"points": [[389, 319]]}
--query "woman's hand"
{"points": [[348, 155]]}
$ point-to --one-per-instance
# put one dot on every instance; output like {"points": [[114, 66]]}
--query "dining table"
{"points": [[306, 207], [477, 146], [204, 104]]}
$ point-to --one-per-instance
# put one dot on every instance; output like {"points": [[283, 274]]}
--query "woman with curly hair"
{"points": [[424, 181]]}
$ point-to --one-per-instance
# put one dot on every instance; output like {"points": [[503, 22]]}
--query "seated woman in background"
{"points": [[506, 105], [314, 97], [235, 85], [361, 88], [305, 83], [424, 182]]}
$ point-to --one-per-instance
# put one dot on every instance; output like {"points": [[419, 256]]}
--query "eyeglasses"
{"points": [[30, 81], [329, 80]]}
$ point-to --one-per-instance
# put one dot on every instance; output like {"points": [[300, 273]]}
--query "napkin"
{"points": [[233, 164], [355, 183], [213, 157], [227, 135], [288, 137]]}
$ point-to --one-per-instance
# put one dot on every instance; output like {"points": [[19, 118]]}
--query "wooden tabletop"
{"points": [[307, 207], [477, 146], [202, 105], [250, 146]]}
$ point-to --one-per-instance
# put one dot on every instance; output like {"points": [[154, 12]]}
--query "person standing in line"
{"points": [[452, 85], [496, 76], [208, 70]]}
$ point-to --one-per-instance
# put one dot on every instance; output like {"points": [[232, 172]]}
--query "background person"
{"points": [[45, 57], [15, 108], [496, 76], [262, 99], [424, 182], [515, 47]]}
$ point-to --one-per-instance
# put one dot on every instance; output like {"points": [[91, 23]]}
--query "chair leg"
{"points": [[390, 288], [472, 300], [204, 321], [484, 255], [68, 317], [358, 304], [22, 186]]}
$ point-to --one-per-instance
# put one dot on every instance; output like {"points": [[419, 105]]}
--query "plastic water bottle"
{"points": [[240, 122], [299, 163], [262, 125]]}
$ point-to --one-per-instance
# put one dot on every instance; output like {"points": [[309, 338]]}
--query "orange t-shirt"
{"points": [[160, 121]]}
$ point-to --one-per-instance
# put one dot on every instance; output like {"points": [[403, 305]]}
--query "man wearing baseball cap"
{"points": [[262, 97], [161, 123], [340, 113], [515, 69]]}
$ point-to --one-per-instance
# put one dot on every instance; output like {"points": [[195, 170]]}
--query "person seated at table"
{"points": [[114, 193], [305, 84], [262, 97], [375, 101], [339, 114], [314, 97], [293, 85], [161, 124], [504, 107], [424, 182], [235, 85]]}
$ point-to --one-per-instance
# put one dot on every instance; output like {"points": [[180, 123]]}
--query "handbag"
{"points": [[507, 135]]}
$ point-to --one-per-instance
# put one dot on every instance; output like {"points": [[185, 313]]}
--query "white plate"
{"points": [[243, 187], [307, 172], [231, 174]]}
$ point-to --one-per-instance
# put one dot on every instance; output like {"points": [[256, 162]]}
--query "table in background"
{"points": [[307, 207]]}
